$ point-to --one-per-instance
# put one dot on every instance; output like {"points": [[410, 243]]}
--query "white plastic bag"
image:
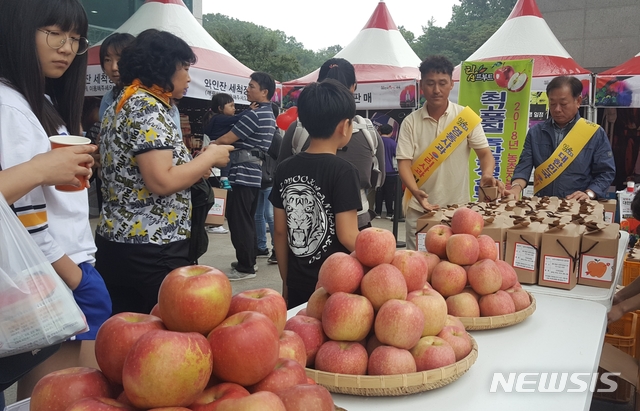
{"points": [[37, 308]]}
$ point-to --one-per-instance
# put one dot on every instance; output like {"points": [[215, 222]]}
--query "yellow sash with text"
{"points": [[441, 148], [564, 155]]}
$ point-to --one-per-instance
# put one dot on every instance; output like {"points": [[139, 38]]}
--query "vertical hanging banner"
{"points": [[499, 91]]}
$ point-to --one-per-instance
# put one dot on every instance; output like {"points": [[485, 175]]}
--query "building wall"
{"points": [[598, 34]]}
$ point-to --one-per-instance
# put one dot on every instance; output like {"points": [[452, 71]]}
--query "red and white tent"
{"points": [[620, 85], [526, 35], [216, 71], [386, 66]]}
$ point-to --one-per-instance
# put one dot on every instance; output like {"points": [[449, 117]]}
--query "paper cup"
{"points": [[66, 141]]}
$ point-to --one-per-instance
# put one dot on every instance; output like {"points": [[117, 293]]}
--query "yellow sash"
{"points": [[564, 155], [441, 148]]}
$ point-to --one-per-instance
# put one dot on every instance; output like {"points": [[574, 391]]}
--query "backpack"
{"points": [[360, 123]]}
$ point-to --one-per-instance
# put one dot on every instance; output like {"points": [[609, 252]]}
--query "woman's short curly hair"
{"points": [[153, 58]]}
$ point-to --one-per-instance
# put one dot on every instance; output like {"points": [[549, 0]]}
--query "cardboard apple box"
{"points": [[496, 228], [598, 255], [215, 217], [609, 206], [614, 360], [559, 251], [488, 194], [522, 249]]}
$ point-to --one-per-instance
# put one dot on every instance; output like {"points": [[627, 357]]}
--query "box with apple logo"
{"points": [[598, 254], [559, 254], [522, 249]]}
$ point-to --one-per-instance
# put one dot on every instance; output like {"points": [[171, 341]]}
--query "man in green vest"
{"points": [[572, 157]]}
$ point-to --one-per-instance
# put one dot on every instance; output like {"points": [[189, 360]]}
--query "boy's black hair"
{"points": [[385, 129], [436, 64], [321, 106], [265, 81]]}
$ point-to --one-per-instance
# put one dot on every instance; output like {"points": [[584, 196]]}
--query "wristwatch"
{"points": [[590, 193]]}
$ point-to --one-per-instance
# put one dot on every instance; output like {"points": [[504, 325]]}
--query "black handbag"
{"points": [[202, 199]]}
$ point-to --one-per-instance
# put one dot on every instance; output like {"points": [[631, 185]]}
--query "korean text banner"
{"points": [[499, 92]]}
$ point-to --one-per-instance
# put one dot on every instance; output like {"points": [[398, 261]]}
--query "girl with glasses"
{"points": [[42, 80]]}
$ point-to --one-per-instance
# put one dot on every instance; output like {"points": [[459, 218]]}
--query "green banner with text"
{"points": [[499, 92]]}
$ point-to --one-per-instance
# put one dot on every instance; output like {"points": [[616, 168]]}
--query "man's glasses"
{"points": [[55, 40]]}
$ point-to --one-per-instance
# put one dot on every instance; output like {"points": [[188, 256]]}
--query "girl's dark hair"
{"points": [[219, 101], [117, 42], [153, 58], [338, 69], [20, 66]]}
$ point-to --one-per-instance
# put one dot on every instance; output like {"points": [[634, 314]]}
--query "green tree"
{"points": [[407, 34]]}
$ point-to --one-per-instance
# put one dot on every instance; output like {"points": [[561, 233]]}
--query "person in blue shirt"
{"points": [[110, 51], [387, 192], [590, 174]]}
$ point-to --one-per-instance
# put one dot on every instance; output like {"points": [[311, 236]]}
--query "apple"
{"points": [[463, 249], [115, 338], [399, 323], [485, 277], [340, 272], [311, 332], [470, 291], [291, 346], [458, 339], [502, 76], [263, 300], [306, 397], [375, 246], [156, 311], [435, 240], [387, 360], [520, 298], [432, 352], [498, 303], [382, 283], [178, 362], [463, 305], [59, 389], [316, 302], [454, 322], [487, 248], [347, 317], [517, 82], [194, 298], [432, 261], [286, 373], [414, 267], [448, 278], [303, 311], [509, 276], [434, 309], [210, 399], [98, 404], [342, 357], [260, 401], [245, 348], [467, 221], [169, 409]]}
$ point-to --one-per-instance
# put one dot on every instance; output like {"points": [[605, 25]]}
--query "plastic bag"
{"points": [[37, 308]]}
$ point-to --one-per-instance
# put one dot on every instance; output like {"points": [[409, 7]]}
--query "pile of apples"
{"points": [[474, 281], [374, 313], [204, 350]]}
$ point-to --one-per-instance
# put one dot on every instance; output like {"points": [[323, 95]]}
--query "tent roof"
{"points": [[173, 16], [378, 53], [628, 68], [525, 35]]}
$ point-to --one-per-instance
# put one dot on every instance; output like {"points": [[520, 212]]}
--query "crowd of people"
{"points": [[310, 186]]}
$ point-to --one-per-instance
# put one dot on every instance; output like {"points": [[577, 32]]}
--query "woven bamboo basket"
{"points": [[499, 321], [394, 385]]}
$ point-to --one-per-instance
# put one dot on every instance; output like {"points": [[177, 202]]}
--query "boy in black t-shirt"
{"points": [[316, 194]]}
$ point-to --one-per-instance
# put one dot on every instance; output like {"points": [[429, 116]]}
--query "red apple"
{"points": [[194, 298], [375, 246], [520, 298], [316, 302], [498, 303], [58, 390], [414, 267], [169, 409], [463, 305], [453, 321], [342, 357], [260, 401], [502, 76], [311, 332], [448, 278], [399, 323], [484, 277], [340, 272], [387, 360], [517, 82], [180, 363], [509, 276], [156, 311], [434, 309], [435, 240], [115, 338], [286, 373], [487, 248], [463, 249], [99, 404], [264, 300], [292, 347], [432, 261], [210, 399], [458, 339], [306, 397], [347, 317], [245, 348], [467, 221], [432, 352], [382, 283]]}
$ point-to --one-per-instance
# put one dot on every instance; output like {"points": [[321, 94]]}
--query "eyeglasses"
{"points": [[56, 40]]}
